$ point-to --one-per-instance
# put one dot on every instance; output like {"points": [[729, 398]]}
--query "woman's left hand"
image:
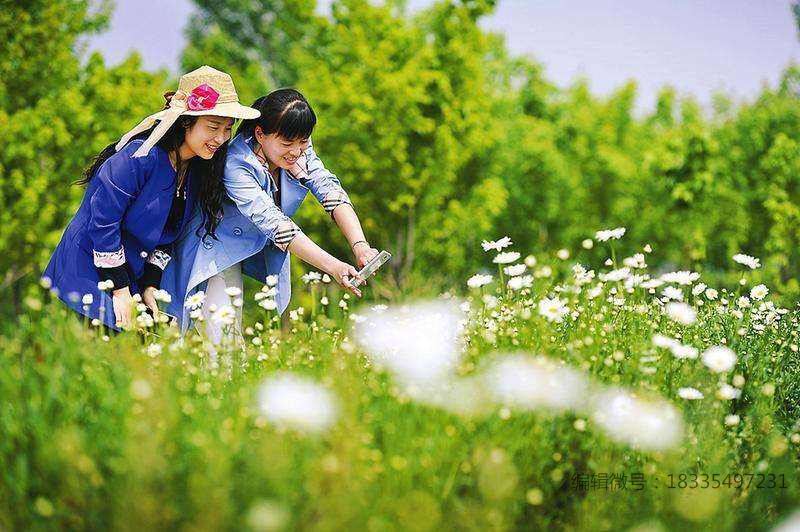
{"points": [[364, 253], [149, 299]]}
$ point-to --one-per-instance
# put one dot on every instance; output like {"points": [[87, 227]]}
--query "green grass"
{"points": [[101, 434]]}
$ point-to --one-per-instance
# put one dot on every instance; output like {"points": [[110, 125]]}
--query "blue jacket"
{"points": [[248, 227], [121, 219]]}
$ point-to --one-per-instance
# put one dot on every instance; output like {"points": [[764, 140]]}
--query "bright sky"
{"points": [[698, 46]]}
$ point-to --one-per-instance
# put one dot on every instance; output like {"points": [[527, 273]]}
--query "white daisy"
{"points": [[515, 269], [719, 359], [295, 402], [681, 313], [608, 234], [759, 292], [478, 280], [747, 260], [691, 394], [496, 245], [520, 282], [506, 257], [682, 277], [673, 293], [554, 309], [195, 301]]}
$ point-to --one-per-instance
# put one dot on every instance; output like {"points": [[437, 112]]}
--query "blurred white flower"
{"points": [[636, 261], [528, 383], [747, 260], [732, 420], [530, 261], [506, 257], [651, 284], [562, 254], [268, 304], [681, 313], [553, 309], [608, 234], [719, 359], [87, 299], [727, 392], [419, 343], [295, 402], [646, 424], [271, 280], [743, 302], [759, 292], [691, 394], [267, 516], [496, 245], [582, 276], [163, 296], [587, 243], [616, 275], [224, 315], [312, 277], [105, 285], [698, 289], [671, 292], [478, 280], [522, 281], [711, 294], [595, 291], [233, 291], [682, 277], [515, 269], [678, 349]]}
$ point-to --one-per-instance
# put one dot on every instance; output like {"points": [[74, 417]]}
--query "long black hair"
{"points": [[285, 112], [209, 171]]}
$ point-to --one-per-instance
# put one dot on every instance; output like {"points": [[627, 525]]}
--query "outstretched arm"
{"points": [[348, 222], [328, 190], [307, 250]]}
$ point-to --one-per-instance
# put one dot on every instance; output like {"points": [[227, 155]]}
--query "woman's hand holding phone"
{"points": [[344, 273]]}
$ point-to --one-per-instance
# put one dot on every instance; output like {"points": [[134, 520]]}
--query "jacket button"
{"points": [[143, 254], [208, 244], [237, 231]]}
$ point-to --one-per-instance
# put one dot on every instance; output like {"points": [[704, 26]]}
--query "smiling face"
{"points": [[281, 152], [206, 135]]}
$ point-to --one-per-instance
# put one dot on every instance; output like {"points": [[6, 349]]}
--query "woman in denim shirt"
{"points": [[270, 168]]}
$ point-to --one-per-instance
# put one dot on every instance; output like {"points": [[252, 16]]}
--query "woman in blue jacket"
{"points": [[139, 194], [271, 166]]}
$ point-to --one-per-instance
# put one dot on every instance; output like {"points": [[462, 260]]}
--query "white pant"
{"points": [[216, 296]]}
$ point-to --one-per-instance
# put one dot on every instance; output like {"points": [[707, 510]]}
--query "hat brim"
{"points": [[228, 109]]}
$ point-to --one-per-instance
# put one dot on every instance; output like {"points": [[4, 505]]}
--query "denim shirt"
{"points": [[251, 226]]}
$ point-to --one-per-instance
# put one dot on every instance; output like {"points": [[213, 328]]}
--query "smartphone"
{"points": [[371, 267]]}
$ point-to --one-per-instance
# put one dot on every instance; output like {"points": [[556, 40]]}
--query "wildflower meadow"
{"points": [[542, 392]]}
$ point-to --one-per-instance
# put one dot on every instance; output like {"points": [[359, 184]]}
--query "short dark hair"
{"points": [[284, 112]]}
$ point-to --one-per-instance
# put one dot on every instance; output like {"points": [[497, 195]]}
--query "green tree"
{"points": [[55, 113]]}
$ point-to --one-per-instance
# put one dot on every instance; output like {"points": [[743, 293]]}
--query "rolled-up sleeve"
{"points": [[323, 184], [254, 202]]}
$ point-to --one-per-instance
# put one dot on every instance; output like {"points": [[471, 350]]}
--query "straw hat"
{"points": [[205, 91]]}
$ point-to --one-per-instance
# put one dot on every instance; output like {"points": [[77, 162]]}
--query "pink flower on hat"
{"points": [[202, 98]]}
